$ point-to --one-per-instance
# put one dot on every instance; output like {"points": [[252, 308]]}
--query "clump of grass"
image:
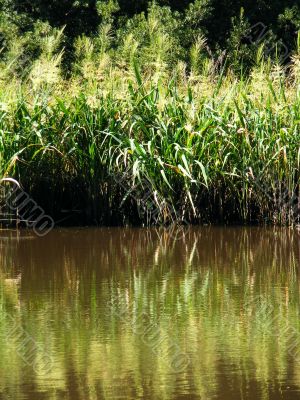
{"points": [[204, 144]]}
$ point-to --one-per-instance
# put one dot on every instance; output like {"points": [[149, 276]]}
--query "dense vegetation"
{"points": [[195, 105], [231, 27]]}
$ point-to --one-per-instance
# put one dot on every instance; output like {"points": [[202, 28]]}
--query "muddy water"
{"points": [[143, 314]]}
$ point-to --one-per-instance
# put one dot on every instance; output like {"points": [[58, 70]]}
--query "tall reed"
{"points": [[205, 145]]}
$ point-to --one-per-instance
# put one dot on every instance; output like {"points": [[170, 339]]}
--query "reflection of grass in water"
{"points": [[203, 296]]}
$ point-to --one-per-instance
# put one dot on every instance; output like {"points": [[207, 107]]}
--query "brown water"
{"points": [[136, 314]]}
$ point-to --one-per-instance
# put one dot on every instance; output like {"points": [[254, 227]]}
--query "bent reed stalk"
{"points": [[213, 147]]}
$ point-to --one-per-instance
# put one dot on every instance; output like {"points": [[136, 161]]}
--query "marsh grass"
{"points": [[214, 146]]}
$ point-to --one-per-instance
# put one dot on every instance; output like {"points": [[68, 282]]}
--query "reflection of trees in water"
{"points": [[199, 290]]}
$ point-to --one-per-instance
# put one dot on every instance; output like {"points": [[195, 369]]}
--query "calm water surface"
{"points": [[135, 314]]}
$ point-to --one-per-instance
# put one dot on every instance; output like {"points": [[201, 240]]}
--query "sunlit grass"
{"points": [[210, 145]]}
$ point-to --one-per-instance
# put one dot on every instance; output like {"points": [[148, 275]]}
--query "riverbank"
{"points": [[151, 149]]}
